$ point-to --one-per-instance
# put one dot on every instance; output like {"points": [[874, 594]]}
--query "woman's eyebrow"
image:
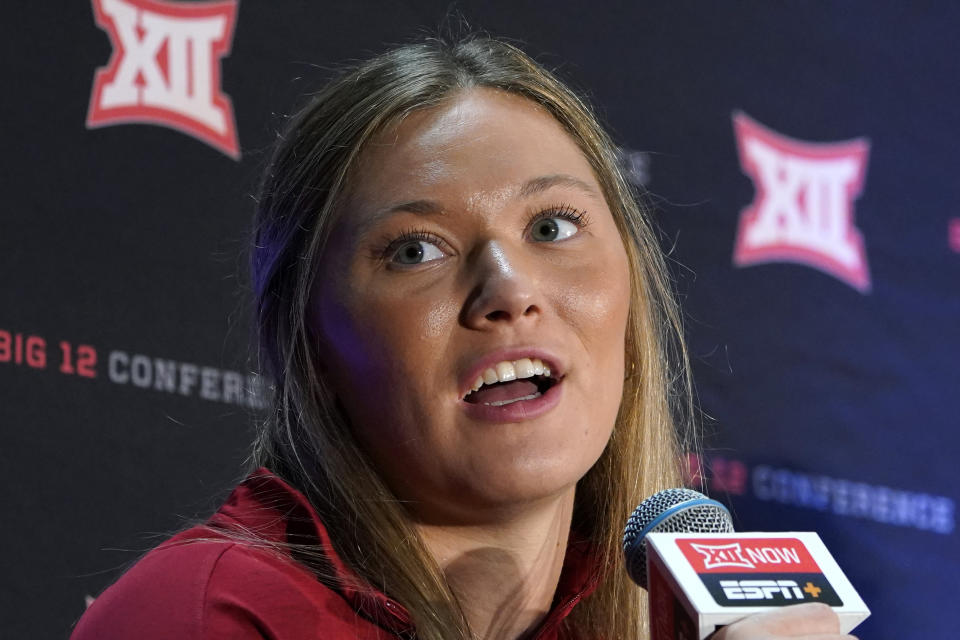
{"points": [[419, 207], [529, 188], [541, 184]]}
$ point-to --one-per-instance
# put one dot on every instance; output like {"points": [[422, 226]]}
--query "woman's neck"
{"points": [[504, 574]]}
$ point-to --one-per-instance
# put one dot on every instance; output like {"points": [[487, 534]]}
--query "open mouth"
{"points": [[511, 381]]}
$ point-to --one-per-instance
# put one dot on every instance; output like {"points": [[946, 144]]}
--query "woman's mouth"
{"points": [[511, 381]]}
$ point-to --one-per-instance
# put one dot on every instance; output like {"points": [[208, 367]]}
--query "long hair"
{"points": [[306, 439]]}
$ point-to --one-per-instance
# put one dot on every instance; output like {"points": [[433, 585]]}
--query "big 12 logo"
{"points": [[803, 208], [165, 68]]}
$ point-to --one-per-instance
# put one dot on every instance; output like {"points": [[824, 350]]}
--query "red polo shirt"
{"points": [[219, 587]]}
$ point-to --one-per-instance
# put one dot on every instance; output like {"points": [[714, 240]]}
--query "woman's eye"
{"points": [[416, 252], [552, 229]]}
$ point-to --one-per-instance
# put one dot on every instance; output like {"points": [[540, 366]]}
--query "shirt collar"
{"points": [[270, 509]]}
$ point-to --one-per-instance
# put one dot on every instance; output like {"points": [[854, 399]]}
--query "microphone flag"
{"points": [[699, 581]]}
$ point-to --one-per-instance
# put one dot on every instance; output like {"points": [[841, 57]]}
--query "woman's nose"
{"points": [[505, 288]]}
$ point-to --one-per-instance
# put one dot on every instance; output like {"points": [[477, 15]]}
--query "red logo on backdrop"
{"points": [[165, 68], [953, 234], [748, 555], [803, 209]]}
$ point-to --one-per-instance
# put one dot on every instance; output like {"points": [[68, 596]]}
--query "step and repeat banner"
{"points": [[801, 157]]}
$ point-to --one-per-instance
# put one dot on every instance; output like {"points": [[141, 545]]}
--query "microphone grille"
{"points": [[669, 511]]}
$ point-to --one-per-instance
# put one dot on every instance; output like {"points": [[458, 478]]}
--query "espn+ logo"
{"points": [[758, 571], [765, 589]]}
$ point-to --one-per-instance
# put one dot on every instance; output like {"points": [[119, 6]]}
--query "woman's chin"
{"points": [[503, 490]]}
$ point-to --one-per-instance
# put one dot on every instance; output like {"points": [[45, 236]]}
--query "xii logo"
{"points": [[803, 208], [165, 68], [722, 555]]}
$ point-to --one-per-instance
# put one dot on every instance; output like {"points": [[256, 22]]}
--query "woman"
{"points": [[475, 359]]}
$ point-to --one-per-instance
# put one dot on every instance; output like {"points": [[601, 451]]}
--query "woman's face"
{"points": [[475, 247]]}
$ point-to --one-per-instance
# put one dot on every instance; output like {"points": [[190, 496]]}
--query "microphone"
{"points": [[699, 574]]}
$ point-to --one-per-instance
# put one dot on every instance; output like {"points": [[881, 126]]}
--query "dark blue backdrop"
{"points": [[829, 405]]}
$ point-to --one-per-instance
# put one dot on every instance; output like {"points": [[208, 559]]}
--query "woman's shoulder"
{"points": [[198, 586], [216, 581]]}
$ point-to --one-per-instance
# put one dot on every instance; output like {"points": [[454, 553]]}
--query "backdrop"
{"points": [[801, 157]]}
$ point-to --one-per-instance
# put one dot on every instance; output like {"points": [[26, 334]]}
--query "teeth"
{"points": [[523, 367], [508, 370]]}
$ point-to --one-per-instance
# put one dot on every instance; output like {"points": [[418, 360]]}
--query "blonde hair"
{"points": [[306, 439]]}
